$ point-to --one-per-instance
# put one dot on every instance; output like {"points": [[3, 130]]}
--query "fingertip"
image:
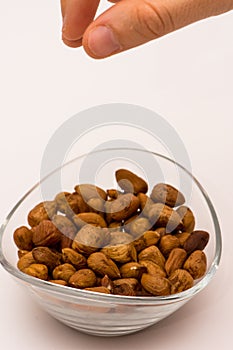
{"points": [[72, 43]]}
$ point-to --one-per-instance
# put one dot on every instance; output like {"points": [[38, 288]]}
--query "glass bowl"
{"points": [[103, 314]]}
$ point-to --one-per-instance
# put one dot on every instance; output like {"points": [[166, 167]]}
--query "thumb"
{"points": [[130, 23]]}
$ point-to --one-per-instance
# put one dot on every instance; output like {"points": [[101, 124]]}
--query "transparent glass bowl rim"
{"points": [[130, 300]]}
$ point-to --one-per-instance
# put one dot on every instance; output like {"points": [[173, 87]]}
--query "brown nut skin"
{"points": [[121, 253], [145, 203], [112, 193], [156, 285], [88, 191], [107, 283], [167, 194], [118, 237], [147, 239], [42, 211], [63, 272], [175, 260], [167, 243], [25, 261], [196, 241], [130, 182], [84, 278], [44, 255], [196, 264], [21, 253], [182, 236], [46, 234], [125, 286], [152, 268], [99, 289], [37, 270], [23, 238], [74, 258], [162, 215], [124, 206], [70, 203], [103, 265], [89, 239], [132, 270], [188, 219], [180, 280], [94, 219], [138, 226], [153, 254], [67, 228]]}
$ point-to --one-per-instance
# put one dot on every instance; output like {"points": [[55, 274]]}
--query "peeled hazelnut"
{"points": [[74, 258], [121, 253], [132, 270], [155, 285], [103, 265], [147, 239], [153, 254], [175, 260], [37, 270], [152, 268]]}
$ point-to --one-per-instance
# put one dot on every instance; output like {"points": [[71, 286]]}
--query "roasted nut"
{"points": [[46, 234], [84, 278], [115, 226], [89, 218], [180, 280], [23, 238], [182, 236], [130, 182], [196, 241], [167, 194], [152, 268], [118, 237], [99, 289], [45, 256], [138, 226], [25, 261], [70, 203], [132, 270], [96, 205], [125, 286], [175, 260], [103, 265], [124, 206], [155, 285], [107, 283], [196, 264], [72, 257], [121, 253], [60, 282], [145, 203], [152, 253], [42, 211], [147, 239], [163, 216], [88, 191], [37, 270], [188, 219], [112, 193], [21, 253], [167, 243], [89, 239], [63, 272], [67, 228]]}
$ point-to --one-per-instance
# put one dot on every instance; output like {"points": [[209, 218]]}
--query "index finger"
{"points": [[77, 15]]}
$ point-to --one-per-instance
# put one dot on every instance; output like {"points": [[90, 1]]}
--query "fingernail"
{"points": [[102, 41]]}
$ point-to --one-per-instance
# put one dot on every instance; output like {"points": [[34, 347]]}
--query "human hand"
{"points": [[130, 23]]}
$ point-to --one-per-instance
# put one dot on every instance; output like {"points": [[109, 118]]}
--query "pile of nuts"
{"points": [[115, 241]]}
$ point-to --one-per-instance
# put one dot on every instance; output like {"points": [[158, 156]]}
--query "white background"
{"points": [[187, 77]]}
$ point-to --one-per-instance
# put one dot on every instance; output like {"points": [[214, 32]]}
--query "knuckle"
{"points": [[154, 19]]}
